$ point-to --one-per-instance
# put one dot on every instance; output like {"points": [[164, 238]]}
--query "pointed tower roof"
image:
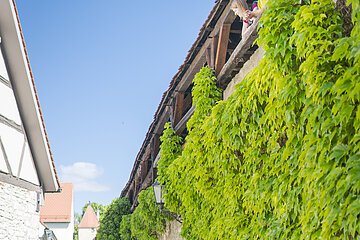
{"points": [[89, 219]]}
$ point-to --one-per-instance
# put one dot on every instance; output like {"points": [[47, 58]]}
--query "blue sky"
{"points": [[100, 69]]}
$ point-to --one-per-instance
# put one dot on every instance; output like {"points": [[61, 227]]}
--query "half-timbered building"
{"points": [[27, 168]]}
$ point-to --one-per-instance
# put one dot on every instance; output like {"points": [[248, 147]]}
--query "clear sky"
{"points": [[100, 69]]}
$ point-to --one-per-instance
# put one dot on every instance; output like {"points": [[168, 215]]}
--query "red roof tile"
{"points": [[89, 219], [58, 206]]}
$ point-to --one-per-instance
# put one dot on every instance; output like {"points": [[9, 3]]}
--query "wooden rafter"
{"points": [[222, 47], [179, 107]]}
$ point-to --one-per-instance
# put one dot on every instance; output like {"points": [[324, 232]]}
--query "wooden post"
{"points": [[179, 107], [222, 47], [214, 45], [208, 57]]}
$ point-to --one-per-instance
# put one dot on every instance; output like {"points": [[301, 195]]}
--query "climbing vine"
{"points": [[280, 159], [170, 149], [146, 222]]}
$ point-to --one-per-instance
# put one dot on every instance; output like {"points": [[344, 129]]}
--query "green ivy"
{"points": [[146, 222], [125, 228], [280, 159], [170, 149], [186, 169]]}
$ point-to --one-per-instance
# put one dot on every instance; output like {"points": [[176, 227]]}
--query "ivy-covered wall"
{"points": [[146, 222], [279, 159]]}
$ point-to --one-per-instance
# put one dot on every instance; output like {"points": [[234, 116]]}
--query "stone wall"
{"points": [[248, 66], [18, 217], [172, 231]]}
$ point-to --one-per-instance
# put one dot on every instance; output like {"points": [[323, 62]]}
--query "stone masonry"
{"points": [[18, 217], [172, 231]]}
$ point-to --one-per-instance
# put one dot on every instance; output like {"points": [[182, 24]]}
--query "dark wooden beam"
{"points": [[182, 124], [238, 54], [155, 146], [208, 57], [214, 45], [179, 107], [222, 47]]}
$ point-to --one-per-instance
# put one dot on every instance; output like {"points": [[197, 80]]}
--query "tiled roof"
{"points": [[58, 206], [89, 219]]}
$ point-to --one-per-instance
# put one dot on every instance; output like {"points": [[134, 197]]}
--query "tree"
{"points": [[111, 219], [77, 217]]}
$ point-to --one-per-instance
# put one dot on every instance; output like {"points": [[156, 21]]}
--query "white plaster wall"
{"points": [[18, 217], [8, 108], [62, 231], [13, 142], [12, 139], [87, 233], [28, 170], [41, 230], [3, 71]]}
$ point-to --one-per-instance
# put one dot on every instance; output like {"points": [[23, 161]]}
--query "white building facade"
{"points": [[89, 225], [57, 213], [26, 164]]}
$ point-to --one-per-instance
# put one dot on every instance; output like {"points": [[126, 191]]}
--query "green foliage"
{"points": [[280, 159], [111, 220], [146, 222], [190, 168], [76, 232], [170, 149], [77, 219], [125, 228], [205, 95]]}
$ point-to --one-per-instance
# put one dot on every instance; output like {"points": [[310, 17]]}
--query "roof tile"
{"points": [[58, 207], [89, 219]]}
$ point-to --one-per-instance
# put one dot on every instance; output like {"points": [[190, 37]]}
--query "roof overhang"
{"points": [[26, 96]]}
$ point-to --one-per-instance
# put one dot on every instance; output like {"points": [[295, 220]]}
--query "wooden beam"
{"points": [[182, 124], [155, 146], [5, 157], [179, 107], [227, 16], [208, 57], [10, 123], [5, 81], [21, 157], [238, 54], [214, 45], [222, 47], [7, 178]]}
